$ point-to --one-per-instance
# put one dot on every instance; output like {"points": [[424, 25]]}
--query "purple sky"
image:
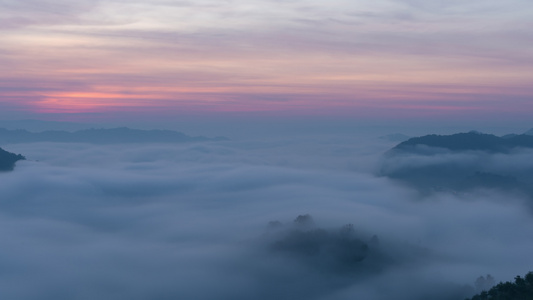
{"points": [[404, 59]]}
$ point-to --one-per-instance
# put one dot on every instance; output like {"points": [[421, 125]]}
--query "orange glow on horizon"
{"points": [[76, 102]]}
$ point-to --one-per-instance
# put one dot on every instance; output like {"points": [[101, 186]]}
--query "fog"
{"points": [[223, 220]]}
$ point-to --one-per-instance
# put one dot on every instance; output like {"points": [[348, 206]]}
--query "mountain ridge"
{"points": [[101, 136], [470, 141]]}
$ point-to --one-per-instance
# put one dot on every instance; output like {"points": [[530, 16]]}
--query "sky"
{"points": [[153, 60]]}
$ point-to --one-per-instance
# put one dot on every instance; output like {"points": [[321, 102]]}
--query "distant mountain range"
{"points": [[100, 136], [8, 160], [40, 125]]}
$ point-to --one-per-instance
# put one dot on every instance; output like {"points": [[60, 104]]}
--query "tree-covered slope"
{"points": [[520, 289]]}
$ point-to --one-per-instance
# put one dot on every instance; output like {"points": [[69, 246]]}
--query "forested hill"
{"points": [[8, 160], [101, 136], [438, 163], [471, 141]]}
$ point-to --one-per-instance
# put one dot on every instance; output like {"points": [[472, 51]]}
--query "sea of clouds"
{"points": [[216, 220]]}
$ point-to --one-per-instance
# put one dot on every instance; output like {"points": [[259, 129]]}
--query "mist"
{"points": [[294, 217]]}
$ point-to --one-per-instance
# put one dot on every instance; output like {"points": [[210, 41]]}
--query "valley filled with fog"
{"points": [[293, 217]]}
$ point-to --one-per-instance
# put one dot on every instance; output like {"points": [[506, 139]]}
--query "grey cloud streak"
{"points": [[20, 14], [350, 53], [295, 26], [190, 221]]}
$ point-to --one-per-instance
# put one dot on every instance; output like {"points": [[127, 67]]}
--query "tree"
{"points": [[520, 289]]}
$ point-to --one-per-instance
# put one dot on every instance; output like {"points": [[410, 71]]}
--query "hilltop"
{"points": [[471, 141], [462, 162]]}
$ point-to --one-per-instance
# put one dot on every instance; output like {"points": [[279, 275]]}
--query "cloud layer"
{"points": [[192, 221]]}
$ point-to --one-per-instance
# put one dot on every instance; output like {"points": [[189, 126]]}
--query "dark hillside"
{"points": [[461, 162], [8, 160], [520, 289], [471, 141]]}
